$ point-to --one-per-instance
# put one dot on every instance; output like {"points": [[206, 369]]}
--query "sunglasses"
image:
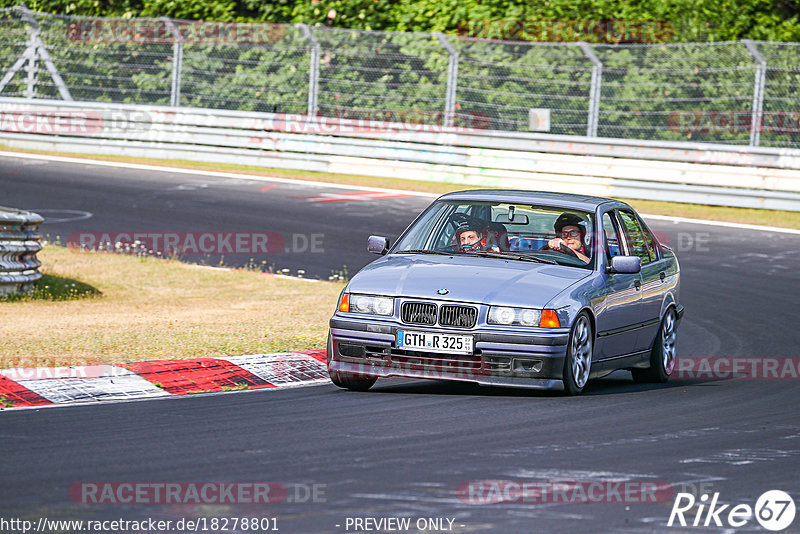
{"points": [[570, 233]]}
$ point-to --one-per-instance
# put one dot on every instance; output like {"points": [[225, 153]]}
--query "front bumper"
{"points": [[501, 357]]}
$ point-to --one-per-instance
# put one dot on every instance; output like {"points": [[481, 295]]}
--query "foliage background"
{"points": [[379, 61], [695, 20]]}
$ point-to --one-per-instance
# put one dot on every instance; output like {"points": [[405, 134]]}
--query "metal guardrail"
{"points": [[19, 243], [737, 92], [679, 172]]}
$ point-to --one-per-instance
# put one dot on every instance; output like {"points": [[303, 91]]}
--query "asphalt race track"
{"points": [[320, 233], [404, 449]]}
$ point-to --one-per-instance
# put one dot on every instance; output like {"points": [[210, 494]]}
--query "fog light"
{"points": [[526, 365], [351, 351]]}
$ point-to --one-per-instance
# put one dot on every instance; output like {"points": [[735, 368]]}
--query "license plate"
{"points": [[434, 342]]}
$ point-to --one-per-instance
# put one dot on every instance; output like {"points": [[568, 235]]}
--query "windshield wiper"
{"points": [[484, 254], [424, 251], [519, 257]]}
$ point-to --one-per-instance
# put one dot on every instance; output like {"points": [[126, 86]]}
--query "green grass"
{"points": [[54, 287], [240, 387], [143, 308]]}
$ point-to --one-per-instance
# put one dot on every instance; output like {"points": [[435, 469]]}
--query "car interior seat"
{"points": [[497, 234]]}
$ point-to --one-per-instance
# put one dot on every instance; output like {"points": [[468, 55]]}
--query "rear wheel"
{"points": [[578, 362], [346, 380], [662, 357]]}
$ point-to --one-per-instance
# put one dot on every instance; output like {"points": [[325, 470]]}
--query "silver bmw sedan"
{"points": [[511, 288]]}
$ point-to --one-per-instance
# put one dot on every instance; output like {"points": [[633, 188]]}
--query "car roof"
{"points": [[565, 200]]}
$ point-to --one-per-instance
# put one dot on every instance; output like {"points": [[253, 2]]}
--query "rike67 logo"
{"points": [[774, 510]]}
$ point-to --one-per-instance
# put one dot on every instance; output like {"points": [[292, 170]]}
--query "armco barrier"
{"points": [[19, 243], [679, 172]]}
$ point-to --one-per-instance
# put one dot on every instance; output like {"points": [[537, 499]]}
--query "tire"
{"points": [[578, 362], [345, 380], [662, 356]]}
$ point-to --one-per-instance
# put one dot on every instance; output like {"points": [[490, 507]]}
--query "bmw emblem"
{"points": [[443, 291]]}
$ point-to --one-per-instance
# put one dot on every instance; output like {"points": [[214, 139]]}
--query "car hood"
{"points": [[466, 278]]}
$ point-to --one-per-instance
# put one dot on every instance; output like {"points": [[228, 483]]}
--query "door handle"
{"points": [[637, 284], [662, 275]]}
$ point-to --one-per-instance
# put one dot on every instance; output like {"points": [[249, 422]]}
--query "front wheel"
{"points": [[578, 362], [346, 380], [662, 357]]}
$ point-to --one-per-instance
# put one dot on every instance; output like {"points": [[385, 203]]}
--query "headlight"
{"points": [[370, 305], [514, 316], [501, 315], [383, 306], [529, 317]]}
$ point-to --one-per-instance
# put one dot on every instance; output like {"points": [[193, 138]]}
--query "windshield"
{"points": [[497, 229]]}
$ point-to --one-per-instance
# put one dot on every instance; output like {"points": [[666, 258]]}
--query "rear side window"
{"points": [[613, 247], [635, 236]]}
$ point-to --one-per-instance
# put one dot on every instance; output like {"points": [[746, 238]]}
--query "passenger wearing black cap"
{"points": [[570, 233], [471, 238]]}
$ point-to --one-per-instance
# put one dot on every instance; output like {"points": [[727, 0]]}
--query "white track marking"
{"points": [[312, 183], [119, 384], [65, 215], [197, 172], [286, 369], [573, 474], [755, 227], [743, 456]]}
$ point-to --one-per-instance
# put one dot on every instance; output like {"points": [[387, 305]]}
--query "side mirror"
{"points": [[626, 264], [377, 244]]}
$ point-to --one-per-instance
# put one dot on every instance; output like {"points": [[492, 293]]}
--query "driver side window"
{"points": [[613, 247], [633, 233]]}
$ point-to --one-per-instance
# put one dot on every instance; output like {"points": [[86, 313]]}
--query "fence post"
{"points": [[30, 69], [452, 81], [38, 50], [29, 52], [594, 89], [313, 70], [758, 91], [177, 63]]}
